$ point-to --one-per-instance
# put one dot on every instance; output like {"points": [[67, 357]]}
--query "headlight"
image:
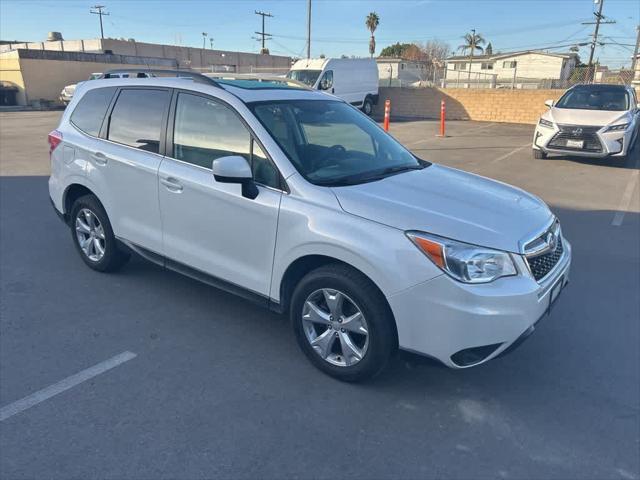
{"points": [[617, 128], [465, 262], [545, 123]]}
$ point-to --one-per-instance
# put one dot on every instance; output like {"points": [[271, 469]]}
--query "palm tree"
{"points": [[372, 22], [472, 43]]}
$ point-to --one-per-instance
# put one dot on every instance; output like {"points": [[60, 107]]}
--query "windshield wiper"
{"points": [[370, 176]]}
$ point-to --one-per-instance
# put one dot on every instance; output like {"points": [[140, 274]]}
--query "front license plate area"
{"points": [[555, 291], [575, 143]]}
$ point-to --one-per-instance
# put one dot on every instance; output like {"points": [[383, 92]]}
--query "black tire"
{"points": [[113, 258], [539, 154], [367, 106], [382, 337]]}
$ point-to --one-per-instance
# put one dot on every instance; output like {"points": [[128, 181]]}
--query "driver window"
{"points": [[326, 82], [205, 130]]}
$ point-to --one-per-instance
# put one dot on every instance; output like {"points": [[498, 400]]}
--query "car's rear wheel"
{"points": [[539, 154], [367, 106], [342, 323], [93, 237]]}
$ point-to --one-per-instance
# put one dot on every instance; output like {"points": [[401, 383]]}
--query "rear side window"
{"points": [[136, 119], [91, 108]]}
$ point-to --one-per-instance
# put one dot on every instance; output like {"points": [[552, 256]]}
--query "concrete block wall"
{"points": [[511, 106]]}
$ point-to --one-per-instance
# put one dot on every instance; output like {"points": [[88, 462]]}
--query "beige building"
{"points": [[528, 69], [37, 72]]}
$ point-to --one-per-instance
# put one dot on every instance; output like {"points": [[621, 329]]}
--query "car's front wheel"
{"points": [[342, 323], [93, 237]]}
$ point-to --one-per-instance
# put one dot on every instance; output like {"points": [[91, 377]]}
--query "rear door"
{"points": [[124, 165], [209, 226]]}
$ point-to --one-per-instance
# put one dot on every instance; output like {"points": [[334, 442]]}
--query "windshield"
{"points": [[305, 76], [332, 143], [595, 98]]}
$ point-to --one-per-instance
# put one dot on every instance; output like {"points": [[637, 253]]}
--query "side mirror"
{"points": [[324, 84], [549, 103], [235, 169]]}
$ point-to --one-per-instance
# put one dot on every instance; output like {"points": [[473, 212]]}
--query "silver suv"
{"points": [[298, 201]]}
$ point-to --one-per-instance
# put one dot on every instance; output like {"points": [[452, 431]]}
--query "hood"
{"points": [[570, 116], [449, 203]]}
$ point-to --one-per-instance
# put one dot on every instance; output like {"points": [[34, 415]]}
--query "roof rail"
{"points": [[256, 77], [195, 76]]}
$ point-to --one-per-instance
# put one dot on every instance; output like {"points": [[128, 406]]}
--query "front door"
{"points": [[210, 226]]}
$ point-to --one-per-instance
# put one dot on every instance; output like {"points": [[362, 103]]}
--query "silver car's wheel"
{"points": [[335, 327], [90, 235]]}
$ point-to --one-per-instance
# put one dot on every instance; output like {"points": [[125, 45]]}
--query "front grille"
{"points": [[541, 265], [577, 132]]}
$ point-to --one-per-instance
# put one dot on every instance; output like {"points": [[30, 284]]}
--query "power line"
{"points": [[600, 19], [101, 14], [262, 34]]}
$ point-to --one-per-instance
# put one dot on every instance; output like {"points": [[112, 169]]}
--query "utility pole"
{"points": [[599, 21], [634, 59], [211, 42], [204, 39], [308, 28], [473, 48], [100, 13], [262, 34]]}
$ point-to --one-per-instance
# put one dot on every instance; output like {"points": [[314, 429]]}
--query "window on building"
{"points": [[460, 66], [509, 64], [486, 66], [91, 108], [205, 130], [136, 119]]}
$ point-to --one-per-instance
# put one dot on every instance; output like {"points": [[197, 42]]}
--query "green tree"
{"points": [[372, 22], [396, 50], [488, 50], [472, 42]]}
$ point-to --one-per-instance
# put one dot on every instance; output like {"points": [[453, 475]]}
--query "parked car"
{"points": [[589, 121], [67, 92], [300, 202], [353, 80]]}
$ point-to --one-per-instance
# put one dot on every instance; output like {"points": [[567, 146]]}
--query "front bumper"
{"points": [[611, 143], [464, 325]]}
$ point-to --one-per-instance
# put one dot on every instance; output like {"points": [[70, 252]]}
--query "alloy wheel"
{"points": [[335, 327], [90, 235]]}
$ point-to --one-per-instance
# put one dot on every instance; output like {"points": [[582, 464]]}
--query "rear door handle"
{"points": [[99, 158], [172, 184]]}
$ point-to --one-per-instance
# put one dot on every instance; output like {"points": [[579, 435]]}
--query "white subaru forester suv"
{"points": [[295, 199]]}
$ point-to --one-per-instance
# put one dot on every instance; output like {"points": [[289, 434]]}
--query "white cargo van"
{"points": [[353, 80]]}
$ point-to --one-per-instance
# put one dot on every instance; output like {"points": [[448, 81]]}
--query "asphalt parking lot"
{"points": [[214, 386]]}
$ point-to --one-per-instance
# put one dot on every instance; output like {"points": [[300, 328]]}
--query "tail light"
{"points": [[55, 137]]}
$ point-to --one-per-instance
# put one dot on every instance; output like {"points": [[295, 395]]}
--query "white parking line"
{"points": [[625, 201], [512, 152], [69, 382]]}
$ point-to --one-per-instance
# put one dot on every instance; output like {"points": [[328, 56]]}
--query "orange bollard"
{"points": [[387, 111], [443, 111]]}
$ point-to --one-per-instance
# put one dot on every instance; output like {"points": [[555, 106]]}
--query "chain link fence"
{"points": [[453, 78]]}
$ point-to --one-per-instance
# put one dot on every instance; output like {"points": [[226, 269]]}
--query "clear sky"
{"points": [[337, 25]]}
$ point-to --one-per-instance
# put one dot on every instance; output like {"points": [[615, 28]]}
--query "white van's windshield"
{"points": [[305, 76], [331, 143]]}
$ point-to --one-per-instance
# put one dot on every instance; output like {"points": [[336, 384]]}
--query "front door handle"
{"points": [[99, 158], [172, 184]]}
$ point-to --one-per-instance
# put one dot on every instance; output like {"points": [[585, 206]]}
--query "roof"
{"points": [[499, 55], [245, 90], [396, 60]]}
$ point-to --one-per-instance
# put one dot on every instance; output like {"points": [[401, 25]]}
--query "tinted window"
{"points": [[305, 76], [91, 108], [136, 119], [331, 143], [595, 98], [205, 130]]}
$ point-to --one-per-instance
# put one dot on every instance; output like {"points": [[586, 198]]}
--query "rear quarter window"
{"points": [[91, 109]]}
